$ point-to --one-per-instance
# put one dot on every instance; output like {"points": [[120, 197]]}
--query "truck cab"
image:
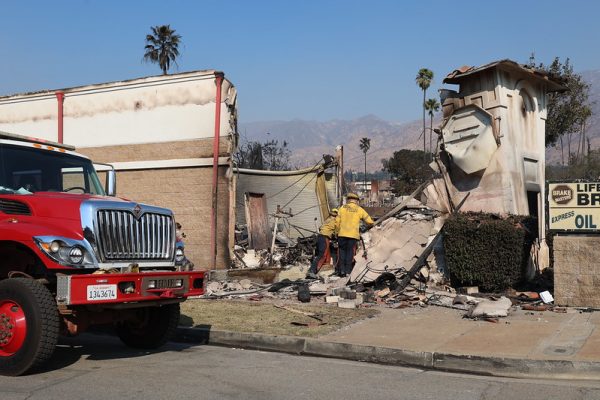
{"points": [[72, 256]]}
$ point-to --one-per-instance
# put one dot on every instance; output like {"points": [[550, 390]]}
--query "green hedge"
{"points": [[488, 251]]}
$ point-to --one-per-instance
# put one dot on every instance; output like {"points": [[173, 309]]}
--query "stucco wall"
{"points": [[145, 110], [517, 106], [576, 270]]}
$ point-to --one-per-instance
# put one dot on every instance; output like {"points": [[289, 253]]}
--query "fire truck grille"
{"points": [[121, 236]]}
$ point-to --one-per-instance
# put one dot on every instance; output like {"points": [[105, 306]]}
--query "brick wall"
{"points": [[200, 148], [577, 270]]}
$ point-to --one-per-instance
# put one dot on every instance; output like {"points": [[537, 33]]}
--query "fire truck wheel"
{"points": [[154, 327], [29, 325]]}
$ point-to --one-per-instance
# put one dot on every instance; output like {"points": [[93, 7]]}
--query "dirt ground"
{"points": [[266, 317]]}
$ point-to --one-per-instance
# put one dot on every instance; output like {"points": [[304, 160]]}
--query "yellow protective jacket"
{"points": [[328, 228], [348, 220]]}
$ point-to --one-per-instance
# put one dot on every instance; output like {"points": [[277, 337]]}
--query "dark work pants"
{"points": [[322, 254], [335, 255], [347, 248]]}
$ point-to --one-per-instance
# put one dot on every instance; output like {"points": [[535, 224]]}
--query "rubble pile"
{"points": [[400, 263], [398, 243], [285, 252]]}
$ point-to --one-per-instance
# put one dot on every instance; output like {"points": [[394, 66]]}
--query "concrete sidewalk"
{"points": [[525, 344]]}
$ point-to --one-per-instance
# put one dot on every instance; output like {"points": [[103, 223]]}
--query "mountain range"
{"points": [[309, 140]]}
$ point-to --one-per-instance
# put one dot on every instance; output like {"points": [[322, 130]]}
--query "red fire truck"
{"points": [[73, 255]]}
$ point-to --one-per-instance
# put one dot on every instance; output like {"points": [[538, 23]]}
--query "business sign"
{"points": [[573, 206]]}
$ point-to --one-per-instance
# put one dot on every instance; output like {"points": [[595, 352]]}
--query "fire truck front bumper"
{"points": [[106, 289]]}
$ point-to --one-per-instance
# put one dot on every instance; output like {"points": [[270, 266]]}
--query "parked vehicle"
{"points": [[73, 255]]}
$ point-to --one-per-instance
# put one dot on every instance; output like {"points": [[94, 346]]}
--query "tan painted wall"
{"points": [[577, 271]]}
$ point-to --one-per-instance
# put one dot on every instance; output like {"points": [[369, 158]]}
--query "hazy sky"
{"points": [[315, 60]]}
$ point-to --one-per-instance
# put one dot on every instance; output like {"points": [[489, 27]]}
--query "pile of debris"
{"points": [[283, 253]]}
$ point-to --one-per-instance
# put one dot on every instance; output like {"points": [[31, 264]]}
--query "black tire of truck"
{"points": [[157, 326], [29, 326]]}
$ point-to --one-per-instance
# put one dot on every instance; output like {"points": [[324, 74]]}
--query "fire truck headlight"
{"points": [[65, 251], [75, 255], [179, 255], [54, 246]]}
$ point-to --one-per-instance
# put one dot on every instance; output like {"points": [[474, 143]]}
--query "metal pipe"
{"points": [[213, 218], [60, 97]]}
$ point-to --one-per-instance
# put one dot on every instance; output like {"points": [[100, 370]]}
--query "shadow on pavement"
{"points": [[97, 346]]}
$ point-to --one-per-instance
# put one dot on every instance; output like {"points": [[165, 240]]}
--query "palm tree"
{"points": [[365, 145], [432, 106], [423, 80], [162, 47]]}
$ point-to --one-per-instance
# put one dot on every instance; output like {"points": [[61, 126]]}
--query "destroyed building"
{"points": [[492, 140], [491, 156], [305, 195]]}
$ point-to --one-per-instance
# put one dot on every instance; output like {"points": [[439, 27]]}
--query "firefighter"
{"points": [[348, 230], [326, 233]]}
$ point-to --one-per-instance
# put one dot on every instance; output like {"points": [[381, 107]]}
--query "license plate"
{"points": [[101, 292]]}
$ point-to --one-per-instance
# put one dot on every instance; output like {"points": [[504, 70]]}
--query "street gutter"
{"points": [[479, 365]]}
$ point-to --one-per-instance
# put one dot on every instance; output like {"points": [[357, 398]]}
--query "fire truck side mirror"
{"points": [[111, 183]]}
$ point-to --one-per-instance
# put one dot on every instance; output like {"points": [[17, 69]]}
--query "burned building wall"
{"points": [[295, 190], [511, 100], [493, 138]]}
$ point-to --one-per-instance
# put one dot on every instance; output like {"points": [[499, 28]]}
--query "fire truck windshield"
{"points": [[26, 170]]}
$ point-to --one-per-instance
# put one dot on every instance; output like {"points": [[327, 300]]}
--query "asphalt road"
{"points": [[98, 367]]}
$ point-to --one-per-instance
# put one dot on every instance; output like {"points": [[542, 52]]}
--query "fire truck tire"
{"points": [[29, 325], [154, 329]]}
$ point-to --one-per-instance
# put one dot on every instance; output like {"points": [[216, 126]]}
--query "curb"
{"points": [[479, 365]]}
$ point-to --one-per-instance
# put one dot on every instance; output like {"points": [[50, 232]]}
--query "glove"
{"points": [[362, 229]]}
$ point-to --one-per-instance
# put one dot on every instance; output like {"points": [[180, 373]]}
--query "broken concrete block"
{"points": [[331, 299], [382, 292], [490, 308], [460, 299], [213, 287], [246, 284], [233, 286], [360, 298], [318, 288], [347, 303], [468, 290]]}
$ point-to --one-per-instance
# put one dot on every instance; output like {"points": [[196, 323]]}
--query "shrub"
{"points": [[487, 250]]}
